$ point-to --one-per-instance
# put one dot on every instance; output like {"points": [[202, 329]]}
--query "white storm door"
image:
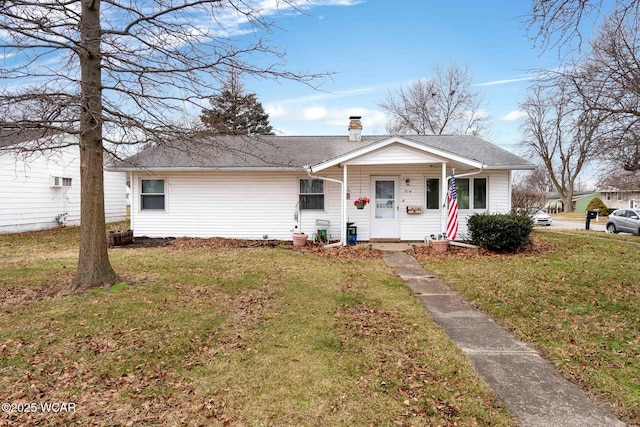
{"points": [[385, 213]]}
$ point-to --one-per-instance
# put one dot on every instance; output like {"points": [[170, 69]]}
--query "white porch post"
{"points": [[343, 216], [444, 190]]}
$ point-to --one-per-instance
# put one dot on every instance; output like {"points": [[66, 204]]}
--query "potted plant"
{"points": [[299, 238], [441, 244], [361, 202]]}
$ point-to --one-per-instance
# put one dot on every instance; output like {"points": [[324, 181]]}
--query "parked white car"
{"points": [[541, 217]]}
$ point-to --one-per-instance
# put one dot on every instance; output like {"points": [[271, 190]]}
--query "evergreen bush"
{"points": [[598, 205], [500, 232]]}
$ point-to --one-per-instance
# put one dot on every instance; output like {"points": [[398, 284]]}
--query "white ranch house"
{"points": [[38, 188], [256, 189]]}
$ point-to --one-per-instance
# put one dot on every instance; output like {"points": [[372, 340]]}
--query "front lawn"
{"points": [[576, 297], [206, 335]]}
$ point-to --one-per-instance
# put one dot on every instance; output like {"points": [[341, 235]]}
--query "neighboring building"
{"points": [[616, 198], [269, 186], [40, 190], [580, 201]]}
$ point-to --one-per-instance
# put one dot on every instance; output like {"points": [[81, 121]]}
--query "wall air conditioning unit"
{"points": [[60, 181]]}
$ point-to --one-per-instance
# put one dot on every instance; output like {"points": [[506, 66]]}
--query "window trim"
{"points": [[426, 193], [324, 195], [164, 194], [471, 181], [486, 192]]}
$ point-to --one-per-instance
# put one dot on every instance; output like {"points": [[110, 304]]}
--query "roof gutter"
{"points": [[479, 171], [343, 230]]}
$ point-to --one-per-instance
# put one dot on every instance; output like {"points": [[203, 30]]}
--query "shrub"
{"points": [[500, 232], [597, 204]]}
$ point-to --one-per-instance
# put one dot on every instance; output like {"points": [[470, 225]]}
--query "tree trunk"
{"points": [[567, 202], [94, 268]]}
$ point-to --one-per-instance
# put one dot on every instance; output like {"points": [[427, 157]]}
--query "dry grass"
{"points": [[217, 335], [575, 296]]}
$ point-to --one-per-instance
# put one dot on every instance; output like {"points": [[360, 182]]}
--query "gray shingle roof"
{"points": [[10, 137], [298, 151]]}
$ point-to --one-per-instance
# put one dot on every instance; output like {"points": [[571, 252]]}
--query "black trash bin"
{"points": [[591, 214]]}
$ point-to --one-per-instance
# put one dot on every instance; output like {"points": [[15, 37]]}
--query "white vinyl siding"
{"points": [[242, 205], [251, 205], [29, 202]]}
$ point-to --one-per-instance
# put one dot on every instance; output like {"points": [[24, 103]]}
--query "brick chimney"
{"points": [[355, 128]]}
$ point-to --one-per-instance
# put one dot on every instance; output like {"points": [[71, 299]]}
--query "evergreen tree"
{"points": [[234, 112]]}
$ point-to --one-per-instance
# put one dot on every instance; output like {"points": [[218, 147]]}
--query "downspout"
{"points": [[343, 230]]}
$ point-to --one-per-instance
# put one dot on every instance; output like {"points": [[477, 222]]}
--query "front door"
{"points": [[385, 212]]}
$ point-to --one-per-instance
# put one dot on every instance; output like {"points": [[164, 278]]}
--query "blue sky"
{"points": [[376, 46]]}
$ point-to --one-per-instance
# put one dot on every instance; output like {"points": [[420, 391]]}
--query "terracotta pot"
{"points": [[439, 245], [300, 239]]}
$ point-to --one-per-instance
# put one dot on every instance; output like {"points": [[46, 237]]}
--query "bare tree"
{"points": [[444, 103], [537, 180], [560, 23], [119, 73], [561, 133], [526, 200], [608, 81], [623, 180]]}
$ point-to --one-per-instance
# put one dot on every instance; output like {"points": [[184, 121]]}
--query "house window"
{"points": [[462, 191], [467, 190], [480, 193], [152, 195], [608, 196], [433, 193], [619, 196], [311, 194]]}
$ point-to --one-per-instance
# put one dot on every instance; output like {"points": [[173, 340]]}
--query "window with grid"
{"points": [[311, 194], [152, 196]]}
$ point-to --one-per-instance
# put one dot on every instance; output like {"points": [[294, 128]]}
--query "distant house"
{"points": [[580, 201], [40, 190], [616, 198], [268, 186]]}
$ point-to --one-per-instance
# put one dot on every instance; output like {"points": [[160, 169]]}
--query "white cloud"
{"points": [[275, 110], [314, 113], [514, 116]]}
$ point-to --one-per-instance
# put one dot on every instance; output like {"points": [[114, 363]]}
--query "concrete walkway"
{"points": [[529, 385]]}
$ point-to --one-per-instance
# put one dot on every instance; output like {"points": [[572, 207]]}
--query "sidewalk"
{"points": [[528, 384]]}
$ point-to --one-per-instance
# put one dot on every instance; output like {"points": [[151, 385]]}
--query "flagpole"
{"points": [[444, 188]]}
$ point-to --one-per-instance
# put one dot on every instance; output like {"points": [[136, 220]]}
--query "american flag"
{"points": [[452, 217]]}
